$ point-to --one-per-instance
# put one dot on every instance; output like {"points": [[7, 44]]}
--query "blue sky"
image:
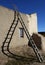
{"points": [[29, 6]]}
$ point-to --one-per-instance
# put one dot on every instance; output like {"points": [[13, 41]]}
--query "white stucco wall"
{"points": [[32, 22]]}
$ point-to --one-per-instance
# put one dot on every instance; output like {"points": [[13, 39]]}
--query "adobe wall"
{"points": [[6, 18]]}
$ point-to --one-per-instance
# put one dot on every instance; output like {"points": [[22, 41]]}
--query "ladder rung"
{"points": [[13, 27], [5, 49], [6, 42], [11, 30], [36, 49], [8, 38], [10, 34], [15, 22], [5, 46], [7, 53]]}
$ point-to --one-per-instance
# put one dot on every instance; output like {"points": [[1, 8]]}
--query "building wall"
{"points": [[6, 18], [32, 22]]}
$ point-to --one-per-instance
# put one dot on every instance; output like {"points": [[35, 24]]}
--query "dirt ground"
{"points": [[25, 51], [22, 51]]}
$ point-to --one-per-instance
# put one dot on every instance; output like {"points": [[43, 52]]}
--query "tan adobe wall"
{"points": [[6, 18]]}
